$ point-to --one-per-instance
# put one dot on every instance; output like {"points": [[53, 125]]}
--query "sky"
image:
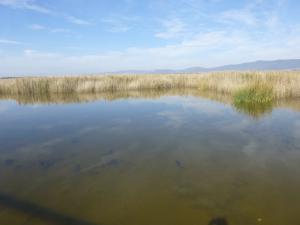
{"points": [[46, 37]]}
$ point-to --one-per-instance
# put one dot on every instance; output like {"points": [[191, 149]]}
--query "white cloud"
{"points": [[115, 26], [39, 27], [36, 27], [174, 28], [30, 53], [119, 23], [77, 21], [203, 49], [209, 39], [246, 35], [10, 42], [59, 30], [254, 13], [239, 16], [25, 4], [272, 22]]}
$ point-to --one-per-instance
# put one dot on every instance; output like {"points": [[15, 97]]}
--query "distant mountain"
{"points": [[289, 64], [285, 64]]}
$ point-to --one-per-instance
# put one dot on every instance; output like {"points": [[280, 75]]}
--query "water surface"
{"points": [[176, 159]]}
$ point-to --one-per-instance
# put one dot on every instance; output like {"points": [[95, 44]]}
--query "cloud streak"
{"points": [[31, 5], [26, 4], [119, 23], [10, 42], [205, 49], [38, 27], [77, 21], [174, 28]]}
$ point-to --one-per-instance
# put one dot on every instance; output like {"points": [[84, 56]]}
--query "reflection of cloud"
{"points": [[296, 132], [42, 147], [197, 103], [46, 127], [174, 119], [297, 129], [88, 129], [123, 121], [236, 126], [182, 108], [207, 107], [250, 148], [52, 142], [3, 108]]}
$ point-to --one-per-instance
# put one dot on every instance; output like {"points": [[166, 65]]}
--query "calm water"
{"points": [[168, 160]]}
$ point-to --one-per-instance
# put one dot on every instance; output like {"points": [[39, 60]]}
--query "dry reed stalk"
{"points": [[285, 84]]}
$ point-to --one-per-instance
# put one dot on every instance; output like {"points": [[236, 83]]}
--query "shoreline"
{"points": [[244, 86]]}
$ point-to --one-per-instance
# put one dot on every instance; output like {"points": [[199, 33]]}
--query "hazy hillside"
{"points": [[263, 65], [289, 64]]}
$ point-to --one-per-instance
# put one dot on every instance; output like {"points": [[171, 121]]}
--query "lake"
{"points": [[148, 159]]}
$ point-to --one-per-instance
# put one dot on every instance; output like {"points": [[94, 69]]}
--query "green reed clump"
{"points": [[255, 100], [257, 93]]}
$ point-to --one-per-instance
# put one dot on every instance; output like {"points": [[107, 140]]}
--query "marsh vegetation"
{"points": [[254, 93], [243, 86]]}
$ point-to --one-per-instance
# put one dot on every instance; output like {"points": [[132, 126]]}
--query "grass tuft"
{"points": [[257, 93]]}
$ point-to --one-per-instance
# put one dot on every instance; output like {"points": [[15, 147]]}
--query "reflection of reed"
{"points": [[255, 110], [259, 110], [293, 104], [64, 98], [252, 109], [40, 212]]}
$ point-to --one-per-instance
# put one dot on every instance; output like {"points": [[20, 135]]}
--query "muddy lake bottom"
{"points": [[169, 160]]}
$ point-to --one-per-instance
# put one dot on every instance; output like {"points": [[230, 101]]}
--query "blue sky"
{"points": [[93, 36]]}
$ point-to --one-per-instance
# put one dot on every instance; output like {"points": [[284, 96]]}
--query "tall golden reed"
{"points": [[284, 84]]}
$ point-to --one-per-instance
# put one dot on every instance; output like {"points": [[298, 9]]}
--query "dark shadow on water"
{"points": [[218, 221], [50, 215], [39, 211], [179, 164], [46, 164], [9, 162]]}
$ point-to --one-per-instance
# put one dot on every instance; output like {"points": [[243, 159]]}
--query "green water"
{"points": [[151, 160]]}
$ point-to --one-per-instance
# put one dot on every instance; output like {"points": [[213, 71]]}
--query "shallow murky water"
{"points": [[169, 160]]}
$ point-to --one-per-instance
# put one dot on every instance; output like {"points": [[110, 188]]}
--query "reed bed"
{"points": [[94, 84], [282, 84]]}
